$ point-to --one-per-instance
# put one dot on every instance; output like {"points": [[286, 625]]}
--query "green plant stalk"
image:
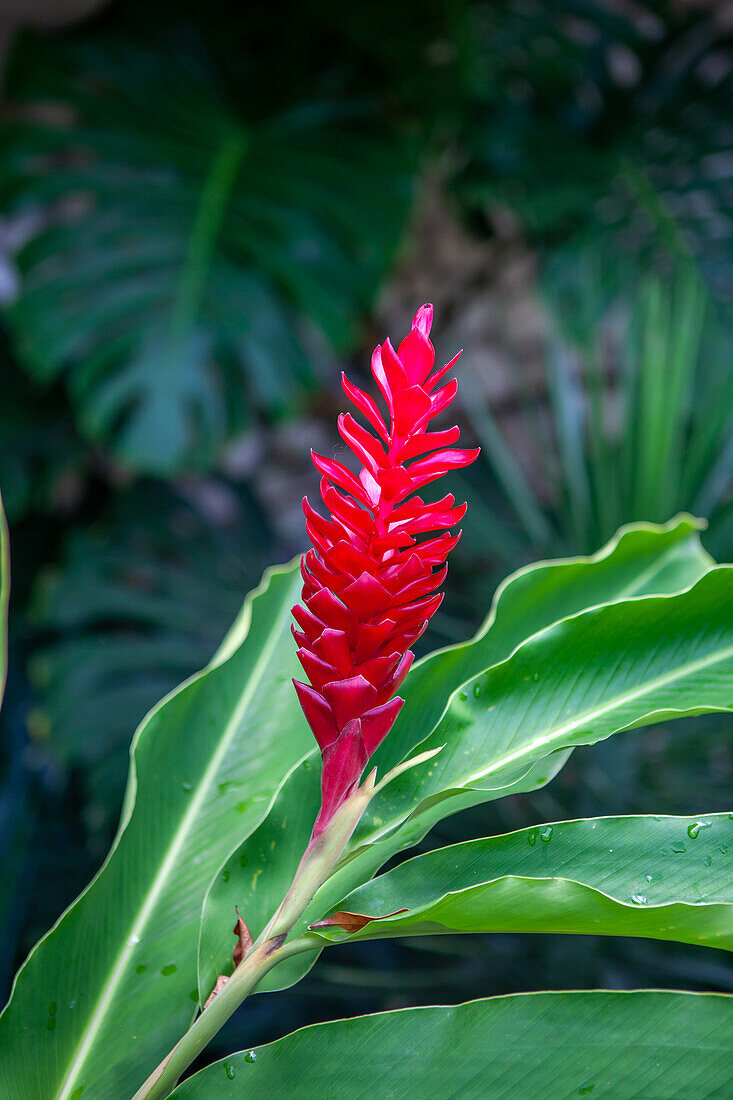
{"points": [[270, 948], [242, 982]]}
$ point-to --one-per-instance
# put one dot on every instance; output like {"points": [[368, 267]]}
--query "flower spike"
{"points": [[369, 584]]}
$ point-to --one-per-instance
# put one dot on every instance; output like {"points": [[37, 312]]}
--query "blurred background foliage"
{"points": [[206, 210]]}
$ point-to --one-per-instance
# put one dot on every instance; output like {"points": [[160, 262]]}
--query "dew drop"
{"points": [[532, 836], [306, 765], [584, 1090], [679, 849], [230, 1070], [476, 690], [648, 878], [132, 940], [53, 1008], [243, 861], [168, 970], [224, 786], [226, 875], [723, 848], [638, 899], [194, 996], [665, 851], [536, 677], [187, 786], [77, 1093], [241, 807], [250, 1056], [50, 1023], [72, 1004], [462, 696], [141, 968], [708, 861], [694, 829], [546, 834]]}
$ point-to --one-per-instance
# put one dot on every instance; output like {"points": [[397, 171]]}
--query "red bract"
{"points": [[370, 584]]}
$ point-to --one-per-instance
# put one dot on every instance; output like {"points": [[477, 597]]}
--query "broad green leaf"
{"points": [[668, 878], [619, 666], [616, 667], [110, 989], [641, 559], [4, 597], [537, 1046]]}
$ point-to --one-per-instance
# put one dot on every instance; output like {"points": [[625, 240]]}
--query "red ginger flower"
{"points": [[369, 586]]}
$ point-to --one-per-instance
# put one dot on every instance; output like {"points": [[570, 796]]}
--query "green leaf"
{"points": [[667, 878], [618, 666], [640, 559], [538, 1046], [113, 985]]}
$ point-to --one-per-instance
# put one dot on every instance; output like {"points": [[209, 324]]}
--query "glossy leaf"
{"points": [[668, 878], [641, 559], [113, 985], [538, 1046]]}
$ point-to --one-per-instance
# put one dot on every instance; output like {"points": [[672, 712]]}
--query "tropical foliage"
{"points": [[571, 653]]}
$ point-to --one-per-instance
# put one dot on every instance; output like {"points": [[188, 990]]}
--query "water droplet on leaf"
{"points": [[187, 786], [230, 1070], [226, 875], [250, 1056], [708, 861], [462, 696], [532, 836], [536, 677], [638, 899], [243, 861], [648, 878], [546, 833], [141, 968], [476, 690], [694, 829], [50, 1023], [168, 970], [679, 849]]}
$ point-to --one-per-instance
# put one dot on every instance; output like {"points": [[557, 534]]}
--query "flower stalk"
{"points": [[369, 589]]}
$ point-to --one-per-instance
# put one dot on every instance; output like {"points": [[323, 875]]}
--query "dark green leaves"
{"points": [[181, 240]]}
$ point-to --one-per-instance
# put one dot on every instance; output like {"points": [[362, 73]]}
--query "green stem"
{"points": [[242, 982]]}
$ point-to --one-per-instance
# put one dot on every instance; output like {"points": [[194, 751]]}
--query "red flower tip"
{"points": [[369, 583]]}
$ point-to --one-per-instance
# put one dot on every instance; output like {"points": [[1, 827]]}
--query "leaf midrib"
{"points": [[170, 861], [598, 712]]}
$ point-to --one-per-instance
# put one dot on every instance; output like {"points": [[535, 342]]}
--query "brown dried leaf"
{"points": [[351, 922], [244, 939]]}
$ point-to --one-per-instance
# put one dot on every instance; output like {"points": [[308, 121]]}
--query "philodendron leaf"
{"points": [[537, 1046], [110, 989], [668, 878], [639, 560]]}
